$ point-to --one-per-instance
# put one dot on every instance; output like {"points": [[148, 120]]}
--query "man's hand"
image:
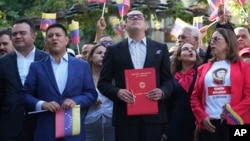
{"points": [[101, 24], [51, 106], [68, 103], [203, 31], [126, 96], [223, 15], [155, 94]]}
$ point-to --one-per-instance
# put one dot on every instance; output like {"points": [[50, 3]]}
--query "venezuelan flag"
{"points": [[198, 22], [68, 122], [123, 7], [47, 20], [74, 31], [231, 116], [177, 27]]}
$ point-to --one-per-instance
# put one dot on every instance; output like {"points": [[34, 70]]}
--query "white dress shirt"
{"points": [[138, 52], [23, 64]]}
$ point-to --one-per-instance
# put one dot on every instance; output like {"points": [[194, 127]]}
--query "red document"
{"points": [[139, 82]]}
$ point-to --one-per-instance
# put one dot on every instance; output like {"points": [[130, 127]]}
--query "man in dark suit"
{"points": [[58, 81], [14, 125], [134, 53]]}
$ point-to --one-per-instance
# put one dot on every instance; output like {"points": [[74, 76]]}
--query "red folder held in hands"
{"points": [[139, 82]]}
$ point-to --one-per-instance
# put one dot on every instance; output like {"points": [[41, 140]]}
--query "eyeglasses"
{"points": [[135, 16], [241, 36], [107, 43], [214, 39]]}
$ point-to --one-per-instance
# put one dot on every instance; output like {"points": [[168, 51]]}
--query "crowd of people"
{"points": [[192, 83]]}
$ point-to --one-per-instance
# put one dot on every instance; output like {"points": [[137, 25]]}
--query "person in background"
{"points": [[136, 52], [71, 52], [191, 35], [15, 124], [51, 85], [85, 50], [243, 37], [106, 40], [6, 45], [210, 94], [184, 69], [245, 54], [98, 121]]}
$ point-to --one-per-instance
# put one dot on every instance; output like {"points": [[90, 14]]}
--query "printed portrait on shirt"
{"points": [[219, 76]]}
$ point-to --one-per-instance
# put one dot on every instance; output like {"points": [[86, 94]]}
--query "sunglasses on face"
{"points": [[214, 39], [135, 16], [107, 43]]}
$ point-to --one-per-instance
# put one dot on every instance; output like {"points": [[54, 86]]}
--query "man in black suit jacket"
{"points": [[14, 125], [134, 53]]}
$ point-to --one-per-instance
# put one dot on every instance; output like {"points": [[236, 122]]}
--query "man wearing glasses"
{"points": [[136, 52], [106, 40]]}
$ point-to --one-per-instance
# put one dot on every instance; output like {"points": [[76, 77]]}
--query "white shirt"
{"points": [[104, 109], [218, 88], [23, 63], [60, 71], [138, 52]]}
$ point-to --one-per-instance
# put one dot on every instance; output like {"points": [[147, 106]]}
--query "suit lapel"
{"points": [[124, 54], [150, 54], [13, 61], [49, 71]]}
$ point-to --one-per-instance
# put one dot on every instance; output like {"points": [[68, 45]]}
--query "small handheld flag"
{"points": [[177, 27], [231, 116], [123, 7], [74, 31], [47, 20], [198, 22], [68, 122]]}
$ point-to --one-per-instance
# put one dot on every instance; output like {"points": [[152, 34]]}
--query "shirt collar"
{"points": [[65, 57], [143, 40], [32, 52]]}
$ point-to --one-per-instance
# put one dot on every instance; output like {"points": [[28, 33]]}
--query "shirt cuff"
{"points": [[39, 105]]}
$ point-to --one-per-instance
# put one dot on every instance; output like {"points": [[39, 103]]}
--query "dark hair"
{"points": [[27, 21], [6, 31], [231, 40], [91, 52], [57, 25], [176, 64]]}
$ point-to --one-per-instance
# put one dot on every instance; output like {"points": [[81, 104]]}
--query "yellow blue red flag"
{"points": [[74, 32], [231, 116], [68, 122], [47, 20], [123, 7]]}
